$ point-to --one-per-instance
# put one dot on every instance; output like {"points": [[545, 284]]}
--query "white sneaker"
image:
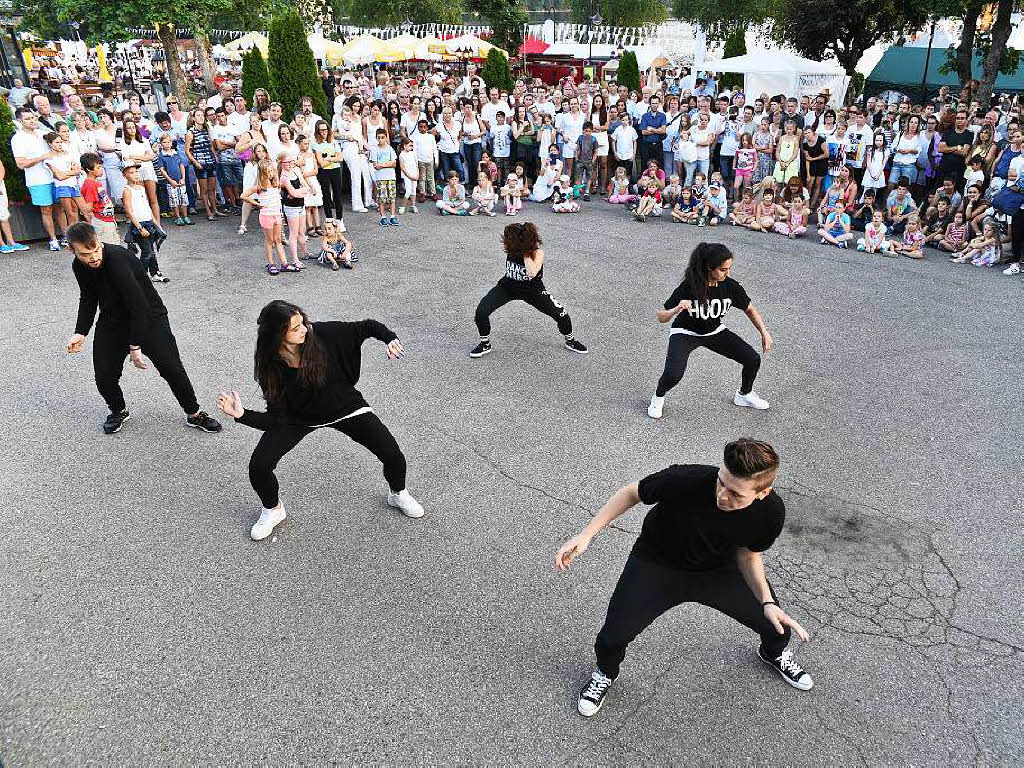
{"points": [[751, 400], [404, 501], [401, 209], [269, 518], [656, 407], [360, 210], [1013, 269]]}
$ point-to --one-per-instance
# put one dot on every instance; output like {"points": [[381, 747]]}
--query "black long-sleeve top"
{"points": [[122, 291], [338, 397]]}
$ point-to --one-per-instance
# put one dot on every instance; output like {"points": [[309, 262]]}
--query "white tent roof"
{"points": [[645, 54], [773, 62]]}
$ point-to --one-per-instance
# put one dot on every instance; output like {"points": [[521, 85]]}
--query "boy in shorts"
{"points": [[171, 170], [383, 160], [94, 195]]}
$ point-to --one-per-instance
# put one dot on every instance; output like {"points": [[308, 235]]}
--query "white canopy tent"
{"points": [[645, 54], [775, 72]]}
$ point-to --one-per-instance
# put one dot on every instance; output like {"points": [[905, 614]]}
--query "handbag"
{"points": [[1008, 200]]}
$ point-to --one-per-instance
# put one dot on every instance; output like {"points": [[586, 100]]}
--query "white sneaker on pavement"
{"points": [[404, 501], [654, 410], [269, 518], [1013, 269], [751, 400]]}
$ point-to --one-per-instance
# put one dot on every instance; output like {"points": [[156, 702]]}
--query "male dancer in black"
{"points": [[701, 543], [132, 322], [523, 281]]}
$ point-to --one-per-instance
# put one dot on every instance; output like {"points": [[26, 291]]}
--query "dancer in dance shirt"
{"points": [[308, 373], [132, 323], [701, 543], [696, 309], [523, 281]]}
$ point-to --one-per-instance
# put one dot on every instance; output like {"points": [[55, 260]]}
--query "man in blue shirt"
{"points": [[652, 132]]}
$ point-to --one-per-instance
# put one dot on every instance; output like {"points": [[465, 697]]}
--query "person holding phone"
{"points": [[308, 374]]}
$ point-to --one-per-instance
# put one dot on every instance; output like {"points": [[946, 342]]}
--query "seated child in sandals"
{"points": [[618, 188], [743, 212], [765, 212], [512, 194], [483, 196], [794, 224], [685, 209], [956, 234], [453, 201], [874, 236], [650, 198], [561, 196], [337, 247]]}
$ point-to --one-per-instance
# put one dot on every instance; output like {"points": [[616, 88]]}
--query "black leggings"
{"points": [[110, 348], [725, 342], [366, 429], [647, 589], [1017, 236], [537, 298], [330, 183]]}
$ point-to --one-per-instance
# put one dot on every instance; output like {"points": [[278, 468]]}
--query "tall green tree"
{"points": [[293, 72], [629, 71], [496, 72], [378, 14], [720, 19], [619, 13], [848, 32], [506, 19], [254, 74], [735, 45], [993, 60]]}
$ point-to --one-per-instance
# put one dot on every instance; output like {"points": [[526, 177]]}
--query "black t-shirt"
{"points": [[705, 317], [687, 530], [953, 163], [817, 167], [518, 279]]}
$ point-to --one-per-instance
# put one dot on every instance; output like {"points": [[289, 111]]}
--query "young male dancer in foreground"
{"points": [[701, 543]]}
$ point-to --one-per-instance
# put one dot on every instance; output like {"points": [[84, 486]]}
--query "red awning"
{"points": [[532, 46]]}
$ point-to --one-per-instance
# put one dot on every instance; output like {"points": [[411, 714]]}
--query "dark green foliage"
{"points": [[629, 71], [254, 74], [496, 72], [506, 18], [293, 72], [619, 13], [15, 180], [735, 45], [718, 19], [377, 14]]}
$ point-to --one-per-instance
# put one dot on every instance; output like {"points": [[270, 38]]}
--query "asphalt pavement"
{"points": [[140, 625]]}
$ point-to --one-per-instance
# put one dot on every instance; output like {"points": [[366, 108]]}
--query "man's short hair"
{"points": [[752, 459], [81, 234]]}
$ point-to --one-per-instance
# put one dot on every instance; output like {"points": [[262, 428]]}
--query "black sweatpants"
{"points": [[330, 183], [647, 589], [366, 429], [1017, 236], [110, 348], [537, 297], [725, 342]]}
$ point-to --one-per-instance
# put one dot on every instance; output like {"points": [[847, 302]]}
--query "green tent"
{"points": [[901, 69]]}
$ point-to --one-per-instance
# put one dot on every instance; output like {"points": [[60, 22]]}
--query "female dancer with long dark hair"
{"points": [[696, 309], [308, 372], [523, 281]]}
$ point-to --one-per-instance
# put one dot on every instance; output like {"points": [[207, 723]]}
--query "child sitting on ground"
{"points": [[484, 197], [650, 198], [618, 188], [913, 239], [865, 212], [985, 250], [714, 207], [561, 196], [936, 219], [512, 195], [836, 229], [337, 248], [670, 194], [794, 225], [874, 236], [453, 200], [743, 212], [765, 212], [956, 233], [685, 209]]}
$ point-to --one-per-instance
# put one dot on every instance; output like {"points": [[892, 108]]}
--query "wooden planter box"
{"points": [[27, 223]]}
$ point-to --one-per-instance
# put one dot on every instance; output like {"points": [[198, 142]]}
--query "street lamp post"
{"points": [[595, 21]]}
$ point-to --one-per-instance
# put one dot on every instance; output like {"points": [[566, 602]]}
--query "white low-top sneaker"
{"points": [[1013, 269], [657, 407], [269, 518], [751, 400], [405, 502]]}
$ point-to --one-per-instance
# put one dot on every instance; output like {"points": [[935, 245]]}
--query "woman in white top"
{"points": [[906, 148], [286, 142], [570, 125], [134, 148], [703, 138], [449, 136], [472, 143], [599, 119], [349, 131], [83, 137], [374, 121], [107, 144]]}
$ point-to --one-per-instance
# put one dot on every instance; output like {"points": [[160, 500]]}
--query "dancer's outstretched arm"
{"points": [[623, 500]]}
